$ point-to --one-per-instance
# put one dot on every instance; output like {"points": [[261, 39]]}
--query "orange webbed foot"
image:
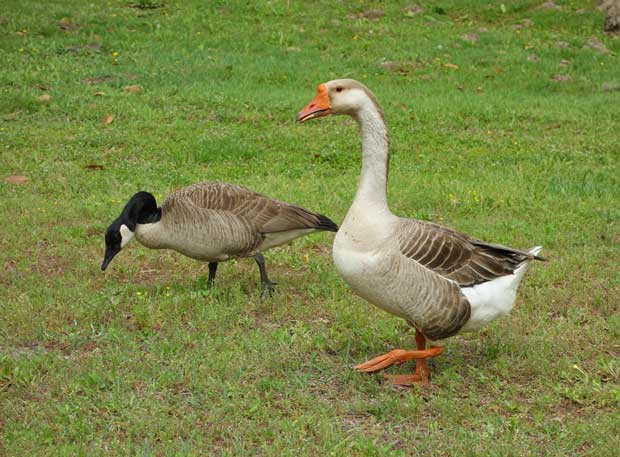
{"points": [[383, 361], [397, 356], [406, 379]]}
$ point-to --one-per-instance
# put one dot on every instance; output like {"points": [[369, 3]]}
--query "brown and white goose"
{"points": [[215, 222], [439, 280]]}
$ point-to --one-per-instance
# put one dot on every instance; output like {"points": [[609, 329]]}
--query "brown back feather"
{"points": [[466, 261], [266, 214]]}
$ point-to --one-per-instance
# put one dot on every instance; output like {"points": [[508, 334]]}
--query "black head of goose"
{"points": [[439, 280], [212, 222]]}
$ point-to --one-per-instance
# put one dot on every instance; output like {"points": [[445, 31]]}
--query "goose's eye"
{"points": [[338, 89]]}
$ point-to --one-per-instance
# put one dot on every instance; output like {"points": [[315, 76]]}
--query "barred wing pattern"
{"points": [[266, 214], [455, 256]]}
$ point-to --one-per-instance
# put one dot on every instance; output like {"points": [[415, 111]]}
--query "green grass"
{"points": [[143, 360]]}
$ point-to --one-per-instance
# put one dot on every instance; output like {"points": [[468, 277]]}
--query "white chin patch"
{"points": [[126, 235]]}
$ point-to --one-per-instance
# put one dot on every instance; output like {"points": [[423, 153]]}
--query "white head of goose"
{"points": [[212, 222], [439, 280]]}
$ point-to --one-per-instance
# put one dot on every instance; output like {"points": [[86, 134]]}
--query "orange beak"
{"points": [[318, 107]]}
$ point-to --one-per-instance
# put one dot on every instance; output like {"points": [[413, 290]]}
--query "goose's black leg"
{"points": [[212, 270], [264, 279]]}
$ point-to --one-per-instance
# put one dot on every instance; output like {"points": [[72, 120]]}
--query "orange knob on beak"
{"points": [[318, 107]]}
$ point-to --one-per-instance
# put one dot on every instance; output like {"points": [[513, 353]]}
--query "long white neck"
{"points": [[372, 188]]}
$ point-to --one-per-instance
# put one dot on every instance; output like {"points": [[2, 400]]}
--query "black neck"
{"points": [[140, 209]]}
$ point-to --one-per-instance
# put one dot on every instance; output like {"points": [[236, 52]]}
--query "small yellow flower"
{"points": [[21, 49], [138, 293], [356, 37], [115, 54]]}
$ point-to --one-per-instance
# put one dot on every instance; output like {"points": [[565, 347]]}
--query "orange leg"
{"points": [[398, 356]]}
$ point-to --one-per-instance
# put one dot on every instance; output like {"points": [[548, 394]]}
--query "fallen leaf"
{"points": [[533, 58], [16, 179], [451, 65], [45, 97], [99, 94], [94, 166], [108, 119], [564, 63], [133, 89]]}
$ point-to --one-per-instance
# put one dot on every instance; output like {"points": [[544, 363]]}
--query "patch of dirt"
{"points": [[524, 24], [146, 5], [561, 78], [371, 15], [550, 5], [470, 37], [45, 263], [533, 58], [133, 89], [610, 86], [84, 49], [412, 10], [595, 43], [403, 67], [97, 79], [67, 24], [612, 20]]}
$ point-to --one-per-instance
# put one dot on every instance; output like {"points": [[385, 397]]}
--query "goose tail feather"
{"points": [[325, 223]]}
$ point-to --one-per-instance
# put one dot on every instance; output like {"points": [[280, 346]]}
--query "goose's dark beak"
{"points": [[109, 255], [318, 107]]}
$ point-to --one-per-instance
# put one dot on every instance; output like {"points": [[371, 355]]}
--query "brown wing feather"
{"points": [[467, 261], [266, 214]]}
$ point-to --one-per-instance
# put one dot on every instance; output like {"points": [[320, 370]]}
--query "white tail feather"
{"points": [[494, 298]]}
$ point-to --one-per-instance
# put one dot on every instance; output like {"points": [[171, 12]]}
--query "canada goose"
{"points": [[439, 280], [215, 222]]}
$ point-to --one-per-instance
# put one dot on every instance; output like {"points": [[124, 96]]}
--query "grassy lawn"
{"points": [[504, 125]]}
